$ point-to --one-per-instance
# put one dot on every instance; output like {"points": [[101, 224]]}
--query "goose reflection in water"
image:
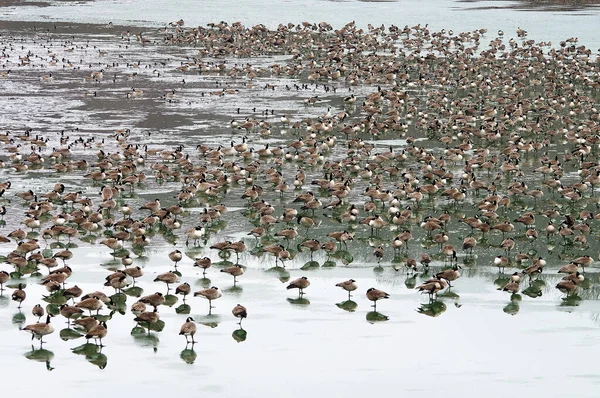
{"points": [[348, 305], [41, 355], [239, 335], [92, 353], [188, 355], [375, 317]]}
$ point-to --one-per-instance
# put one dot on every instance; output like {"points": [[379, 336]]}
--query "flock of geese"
{"points": [[493, 148]]}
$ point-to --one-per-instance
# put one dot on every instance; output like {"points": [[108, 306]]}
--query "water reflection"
{"points": [[183, 309], [375, 317], [348, 305], [18, 319], [204, 282], [234, 289], [69, 334], [92, 353], [188, 355], [572, 300], [41, 355], [144, 339], [170, 300], [239, 335], [134, 291], [512, 308], [433, 308], [211, 320], [298, 301]]}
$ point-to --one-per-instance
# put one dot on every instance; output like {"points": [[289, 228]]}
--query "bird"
{"points": [[39, 330], [349, 286], [300, 284], [450, 274], [4, 277], [155, 300], [188, 329], [147, 318], [239, 311], [97, 332], [90, 304], [38, 311], [169, 278], [235, 271], [432, 287], [374, 295], [211, 294], [184, 289], [19, 295], [204, 263], [175, 256]]}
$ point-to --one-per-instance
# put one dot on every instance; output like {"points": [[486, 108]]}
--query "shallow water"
{"points": [[473, 339]]}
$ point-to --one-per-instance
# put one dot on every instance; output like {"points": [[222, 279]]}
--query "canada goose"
{"points": [[583, 261], [239, 311], [97, 333], [87, 323], [155, 300], [19, 295], [349, 286], [112, 243], [39, 330], [188, 329], [211, 294], [38, 311], [512, 287], [195, 234], [117, 281], [72, 292], [138, 307], [378, 253], [576, 278], [169, 277], [374, 295], [535, 268], [152, 206], [300, 284], [134, 272], [235, 271], [238, 247], [184, 289], [70, 312], [449, 275], [567, 286], [175, 256], [204, 263], [432, 287], [90, 304], [4, 277], [147, 318]]}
